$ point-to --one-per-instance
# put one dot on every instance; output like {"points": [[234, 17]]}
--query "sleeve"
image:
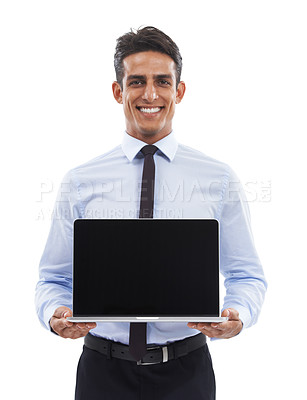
{"points": [[54, 287], [239, 262]]}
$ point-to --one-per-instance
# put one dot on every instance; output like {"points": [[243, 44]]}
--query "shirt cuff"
{"points": [[52, 329], [48, 313], [244, 316]]}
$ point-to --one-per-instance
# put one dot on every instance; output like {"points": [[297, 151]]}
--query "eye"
{"points": [[136, 83], [164, 82]]}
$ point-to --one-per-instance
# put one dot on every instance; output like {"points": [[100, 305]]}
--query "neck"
{"points": [[149, 139]]}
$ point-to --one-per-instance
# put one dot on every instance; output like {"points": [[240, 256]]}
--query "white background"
{"points": [[244, 64]]}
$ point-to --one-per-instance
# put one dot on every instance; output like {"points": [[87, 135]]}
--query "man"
{"points": [[188, 184]]}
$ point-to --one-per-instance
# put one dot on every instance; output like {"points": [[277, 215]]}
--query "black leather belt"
{"points": [[155, 354]]}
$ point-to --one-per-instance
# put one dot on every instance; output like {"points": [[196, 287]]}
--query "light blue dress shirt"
{"points": [[188, 184]]}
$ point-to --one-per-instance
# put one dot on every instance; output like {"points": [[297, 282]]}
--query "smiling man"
{"points": [[149, 91], [148, 85]]}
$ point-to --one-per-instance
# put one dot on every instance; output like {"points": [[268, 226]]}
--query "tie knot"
{"points": [[149, 149]]}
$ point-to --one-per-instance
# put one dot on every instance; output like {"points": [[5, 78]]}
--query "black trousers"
{"points": [[186, 378]]}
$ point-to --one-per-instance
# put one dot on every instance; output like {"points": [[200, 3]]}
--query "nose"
{"points": [[150, 92]]}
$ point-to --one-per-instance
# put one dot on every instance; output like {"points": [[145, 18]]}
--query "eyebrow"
{"points": [[143, 77]]}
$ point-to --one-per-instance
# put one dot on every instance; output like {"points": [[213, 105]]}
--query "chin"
{"points": [[150, 132]]}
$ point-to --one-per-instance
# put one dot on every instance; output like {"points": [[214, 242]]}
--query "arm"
{"points": [[53, 295], [239, 263]]}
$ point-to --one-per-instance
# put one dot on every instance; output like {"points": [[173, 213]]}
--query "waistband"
{"points": [[156, 354]]}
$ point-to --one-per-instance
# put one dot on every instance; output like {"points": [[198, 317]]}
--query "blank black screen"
{"points": [[146, 267]]}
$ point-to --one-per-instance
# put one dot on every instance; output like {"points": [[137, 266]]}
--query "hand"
{"points": [[67, 329], [221, 330]]}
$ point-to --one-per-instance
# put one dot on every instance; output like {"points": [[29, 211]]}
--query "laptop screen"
{"points": [[146, 267]]}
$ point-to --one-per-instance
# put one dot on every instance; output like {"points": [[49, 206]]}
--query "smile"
{"points": [[149, 110]]}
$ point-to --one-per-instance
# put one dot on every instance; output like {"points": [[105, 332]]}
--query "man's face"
{"points": [[149, 94]]}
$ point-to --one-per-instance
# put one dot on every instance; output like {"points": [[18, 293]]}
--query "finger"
{"points": [[88, 325], [210, 332], [66, 324], [215, 326], [202, 325], [58, 324], [91, 325], [79, 329], [82, 326], [60, 312], [70, 328], [196, 325], [227, 328], [222, 326], [73, 333], [219, 325], [231, 313]]}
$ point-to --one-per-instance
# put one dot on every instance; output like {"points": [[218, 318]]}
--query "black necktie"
{"points": [[138, 330]]}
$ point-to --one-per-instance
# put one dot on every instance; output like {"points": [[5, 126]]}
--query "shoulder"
{"points": [[104, 158], [89, 168], [203, 161]]}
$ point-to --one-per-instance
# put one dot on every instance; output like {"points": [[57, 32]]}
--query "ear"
{"points": [[117, 92], [180, 92]]}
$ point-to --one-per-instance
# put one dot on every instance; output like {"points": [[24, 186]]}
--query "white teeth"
{"points": [[150, 110]]}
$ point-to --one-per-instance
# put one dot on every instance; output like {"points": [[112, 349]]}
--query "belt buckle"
{"points": [[164, 356]]}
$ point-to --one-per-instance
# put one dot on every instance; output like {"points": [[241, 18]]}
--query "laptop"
{"points": [[146, 270]]}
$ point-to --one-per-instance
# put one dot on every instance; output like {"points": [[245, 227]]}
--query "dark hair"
{"points": [[145, 39]]}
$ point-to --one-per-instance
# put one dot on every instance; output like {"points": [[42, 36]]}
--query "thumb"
{"points": [[62, 312], [231, 313]]}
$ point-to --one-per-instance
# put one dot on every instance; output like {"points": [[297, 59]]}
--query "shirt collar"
{"points": [[167, 145]]}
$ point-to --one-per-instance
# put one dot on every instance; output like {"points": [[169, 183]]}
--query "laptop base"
{"points": [[147, 319]]}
